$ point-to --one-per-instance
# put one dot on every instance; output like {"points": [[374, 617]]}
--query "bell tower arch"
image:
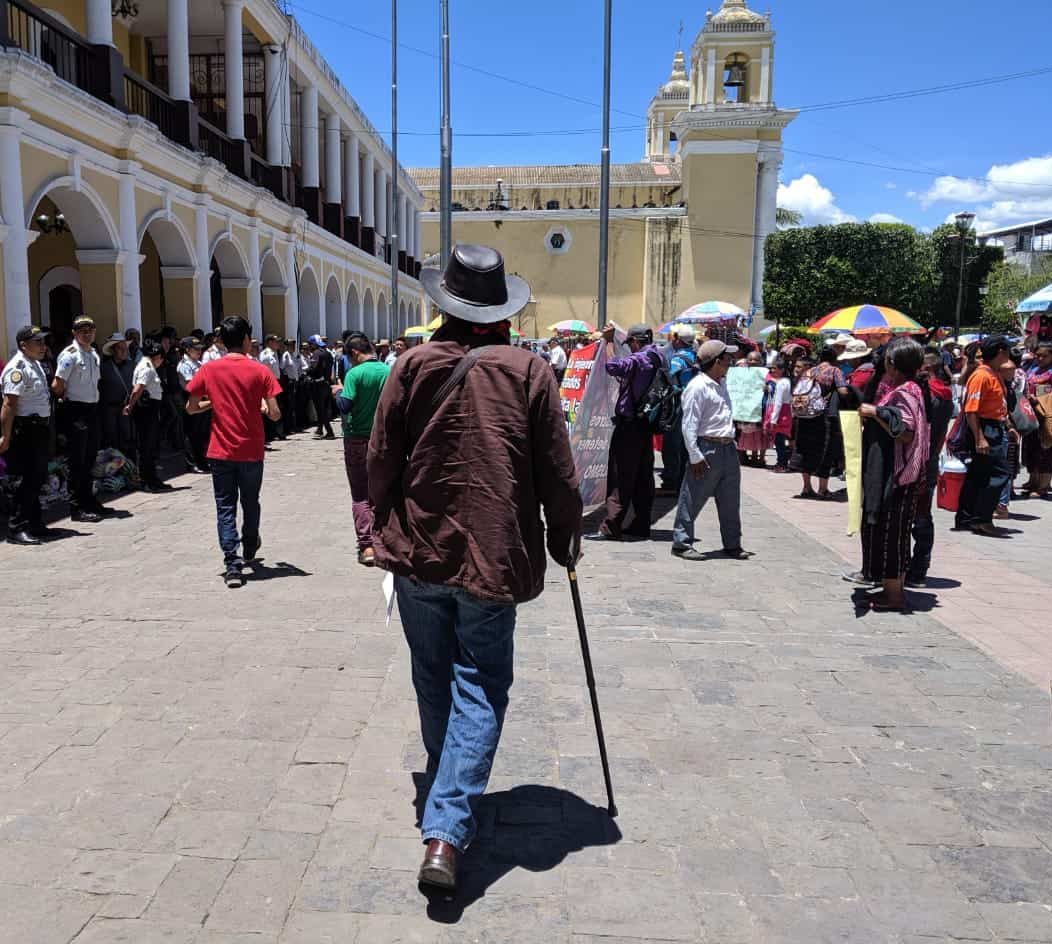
{"points": [[671, 98]]}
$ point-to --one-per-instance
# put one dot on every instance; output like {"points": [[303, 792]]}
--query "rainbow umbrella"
{"points": [[436, 323], [709, 313], [516, 334], [574, 326], [868, 319], [420, 331]]}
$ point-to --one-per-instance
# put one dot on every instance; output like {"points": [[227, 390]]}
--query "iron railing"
{"points": [[42, 36], [144, 99]]}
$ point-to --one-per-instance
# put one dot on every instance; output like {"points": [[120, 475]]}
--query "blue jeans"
{"points": [[231, 480], [462, 655], [781, 449], [722, 480]]}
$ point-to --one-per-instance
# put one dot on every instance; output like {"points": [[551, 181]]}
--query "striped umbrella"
{"points": [[710, 313], [574, 326], [868, 319], [420, 331]]}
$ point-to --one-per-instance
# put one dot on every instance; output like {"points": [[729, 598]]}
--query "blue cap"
{"points": [[316, 340]]}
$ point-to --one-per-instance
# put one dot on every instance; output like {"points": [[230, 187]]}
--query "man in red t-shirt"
{"points": [[239, 391]]}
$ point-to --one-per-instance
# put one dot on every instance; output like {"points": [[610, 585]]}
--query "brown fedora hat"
{"points": [[474, 287]]}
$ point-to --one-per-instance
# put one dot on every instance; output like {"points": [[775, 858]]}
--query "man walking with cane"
{"points": [[468, 445]]}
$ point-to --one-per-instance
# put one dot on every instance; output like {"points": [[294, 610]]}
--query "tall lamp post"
{"points": [[964, 226]]}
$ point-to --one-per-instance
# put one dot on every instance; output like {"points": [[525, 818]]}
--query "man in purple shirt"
{"points": [[630, 471]]}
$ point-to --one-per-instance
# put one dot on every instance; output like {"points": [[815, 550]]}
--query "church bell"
{"points": [[735, 73]]}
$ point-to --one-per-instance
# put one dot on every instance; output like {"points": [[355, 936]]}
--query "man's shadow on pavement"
{"points": [[532, 827], [257, 570]]}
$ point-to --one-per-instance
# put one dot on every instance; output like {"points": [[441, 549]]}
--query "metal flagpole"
{"points": [[446, 166], [396, 224], [604, 174]]}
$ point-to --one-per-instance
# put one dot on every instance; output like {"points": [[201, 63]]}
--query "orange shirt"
{"points": [[985, 394]]}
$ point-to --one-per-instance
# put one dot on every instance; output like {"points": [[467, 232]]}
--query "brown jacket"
{"points": [[457, 493]]}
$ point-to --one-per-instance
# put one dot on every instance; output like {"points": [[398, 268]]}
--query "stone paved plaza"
{"points": [[186, 764]]}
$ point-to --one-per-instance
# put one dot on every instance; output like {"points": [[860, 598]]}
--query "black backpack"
{"points": [[660, 405]]}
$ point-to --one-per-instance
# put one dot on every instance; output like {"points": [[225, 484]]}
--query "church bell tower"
{"points": [[671, 98], [730, 147]]}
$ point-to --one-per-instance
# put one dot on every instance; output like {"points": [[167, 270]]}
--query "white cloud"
{"points": [[885, 218], [815, 202], [891, 185], [1008, 194]]}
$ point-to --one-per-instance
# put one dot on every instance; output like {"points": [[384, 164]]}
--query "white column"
{"points": [[766, 205], [710, 77], [16, 244], [178, 51], [659, 145], [368, 188], [131, 300], [380, 201], [403, 228], [99, 22], [255, 300], [273, 72], [416, 236], [309, 145], [286, 111], [235, 69], [292, 293], [333, 175], [350, 176], [203, 281], [765, 75]]}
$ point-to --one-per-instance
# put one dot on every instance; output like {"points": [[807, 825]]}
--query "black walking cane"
{"points": [[590, 676]]}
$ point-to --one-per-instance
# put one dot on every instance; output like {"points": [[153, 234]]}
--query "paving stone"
{"points": [[186, 895], [215, 834], [989, 874], [38, 914], [106, 872], [134, 931], [255, 897], [1020, 921]]}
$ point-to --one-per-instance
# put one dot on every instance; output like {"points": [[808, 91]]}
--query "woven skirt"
{"points": [[887, 542]]}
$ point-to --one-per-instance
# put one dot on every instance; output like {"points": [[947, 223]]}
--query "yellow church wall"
{"points": [[69, 11], [185, 215], [100, 289], [235, 301], [150, 287], [107, 188], [564, 286], [179, 304], [38, 167], [274, 315], [721, 195], [47, 252]]}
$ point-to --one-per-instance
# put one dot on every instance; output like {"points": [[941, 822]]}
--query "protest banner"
{"points": [[592, 424], [578, 367], [746, 387], [851, 428]]}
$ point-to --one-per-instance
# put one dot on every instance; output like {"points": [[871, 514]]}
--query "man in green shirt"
{"points": [[356, 401]]}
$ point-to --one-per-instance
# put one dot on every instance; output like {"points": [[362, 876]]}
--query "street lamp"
{"points": [[964, 225]]}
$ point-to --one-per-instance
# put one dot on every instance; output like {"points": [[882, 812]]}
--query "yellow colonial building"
{"points": [[165, 162], [687, 223]]}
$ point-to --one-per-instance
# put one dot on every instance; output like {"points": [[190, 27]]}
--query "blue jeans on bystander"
{"points": [[231, 481], [462, 657]]}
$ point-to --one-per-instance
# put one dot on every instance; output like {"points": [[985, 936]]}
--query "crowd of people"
{"points": [[127, 396], [987, 405]]}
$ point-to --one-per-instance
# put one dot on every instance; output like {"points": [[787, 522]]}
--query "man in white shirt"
{"points": [[216, 351], [270, 357], [715, 472], [557, 358]]}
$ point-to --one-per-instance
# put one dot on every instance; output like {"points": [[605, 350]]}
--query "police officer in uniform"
{"points": [[24, 418], [290, 378], [270, 357], [76, 385], [197, 426]]}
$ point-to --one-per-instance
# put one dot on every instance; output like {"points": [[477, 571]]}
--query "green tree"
{"points": [[979, 260], [786, 217], [815, 270], [1007, 285]]}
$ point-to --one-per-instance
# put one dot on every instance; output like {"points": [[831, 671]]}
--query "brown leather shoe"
{"points": [[440, 865]]}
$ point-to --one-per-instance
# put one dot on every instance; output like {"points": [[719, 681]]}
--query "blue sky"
{"points": [[986, 149]]}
